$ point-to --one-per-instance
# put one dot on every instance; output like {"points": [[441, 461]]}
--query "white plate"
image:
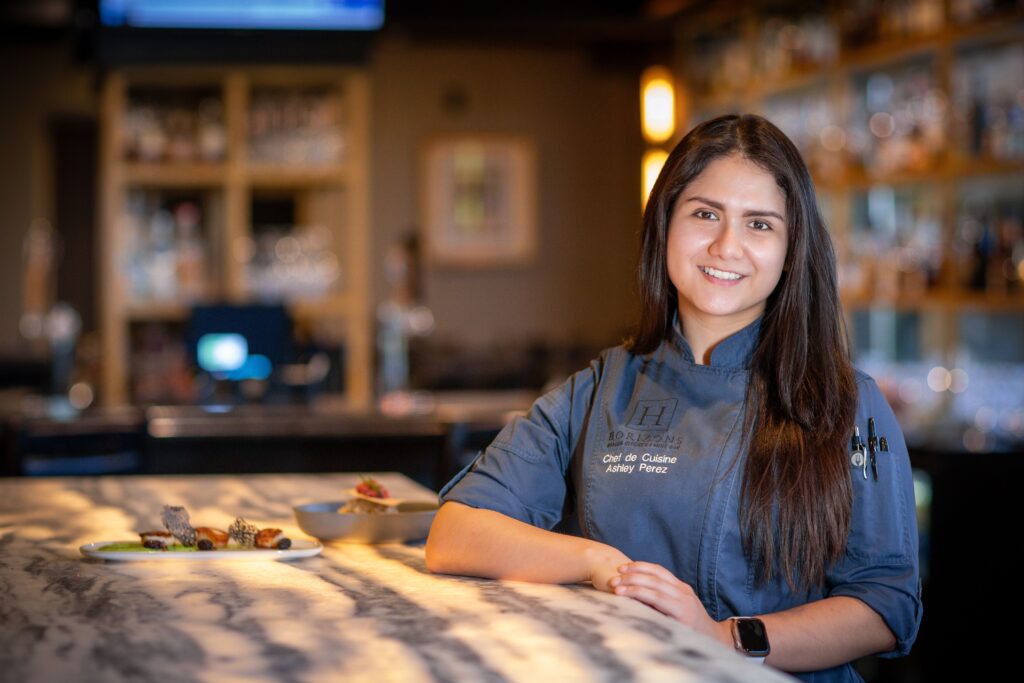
{"points": [[300, 548]]}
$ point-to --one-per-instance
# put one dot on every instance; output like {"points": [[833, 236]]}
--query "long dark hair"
{"points": [[801, 395]]}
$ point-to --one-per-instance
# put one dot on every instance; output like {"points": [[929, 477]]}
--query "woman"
{"points": [[705, 468]]}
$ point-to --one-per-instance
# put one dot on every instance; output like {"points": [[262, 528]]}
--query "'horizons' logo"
{"points": [[653, 415]]}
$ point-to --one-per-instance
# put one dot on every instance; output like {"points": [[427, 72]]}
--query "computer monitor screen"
{"points": [[240, 342]]}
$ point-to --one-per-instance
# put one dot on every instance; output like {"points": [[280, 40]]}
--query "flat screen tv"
{"points": [[319, 15], [218, 31]]}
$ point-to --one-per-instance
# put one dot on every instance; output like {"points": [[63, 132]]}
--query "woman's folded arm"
{"points": [[477, 542]]}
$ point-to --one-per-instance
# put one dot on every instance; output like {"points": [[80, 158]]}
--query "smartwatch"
{"points": [[750, 637]]}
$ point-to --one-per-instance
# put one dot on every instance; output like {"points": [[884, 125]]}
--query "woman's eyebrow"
{"points": [[721, 207]]}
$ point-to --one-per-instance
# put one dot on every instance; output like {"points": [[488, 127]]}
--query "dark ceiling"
{"points": [[573, 19], [615, 32]]}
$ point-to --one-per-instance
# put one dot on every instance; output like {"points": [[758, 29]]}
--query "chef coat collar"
{"points": [[733, 352]]}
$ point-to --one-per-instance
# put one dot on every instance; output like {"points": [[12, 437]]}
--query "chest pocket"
{"points": [[879, 533]]}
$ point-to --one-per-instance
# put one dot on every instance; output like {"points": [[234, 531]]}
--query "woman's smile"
{"points": [[716, 274]]}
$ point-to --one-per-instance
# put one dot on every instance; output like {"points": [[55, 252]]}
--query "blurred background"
{"points": [[358, 235]]}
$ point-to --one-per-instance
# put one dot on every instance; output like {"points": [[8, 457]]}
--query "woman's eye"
{"points": [[704, 214], [760, 225]]}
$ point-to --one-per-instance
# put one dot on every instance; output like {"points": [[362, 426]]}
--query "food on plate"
{"points": [[156, 540], [273, 539], [371, 488], [175, 518], [208, 538], [243, 533], [181, 536]]}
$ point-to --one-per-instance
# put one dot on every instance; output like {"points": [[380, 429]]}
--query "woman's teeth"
{"points": [[721, 274]]}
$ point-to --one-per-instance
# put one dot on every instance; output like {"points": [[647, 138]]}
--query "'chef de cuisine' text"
{"points": [[627, 463]]}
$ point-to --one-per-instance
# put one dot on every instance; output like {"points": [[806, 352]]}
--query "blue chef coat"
{"points": [[635, 451]]}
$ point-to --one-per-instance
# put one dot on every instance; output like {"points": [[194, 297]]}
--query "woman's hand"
{"points": [[657, 587], [603, 563]]}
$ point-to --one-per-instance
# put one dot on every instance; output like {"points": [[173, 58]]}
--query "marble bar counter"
{"points": [[353, 613]]}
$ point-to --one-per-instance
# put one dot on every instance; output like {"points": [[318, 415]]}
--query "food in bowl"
{"points": [[371, 488], [367, 514], [361, 506], [369, 497]]}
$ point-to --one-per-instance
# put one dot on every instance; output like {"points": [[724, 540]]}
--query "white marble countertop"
{"points": [[354, 613]]}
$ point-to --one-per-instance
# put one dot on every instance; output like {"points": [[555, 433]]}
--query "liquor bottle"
{"points": [[162, 261], [190, 253]]}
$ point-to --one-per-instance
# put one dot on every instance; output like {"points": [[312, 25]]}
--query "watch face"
{"points": [[753, 636]]}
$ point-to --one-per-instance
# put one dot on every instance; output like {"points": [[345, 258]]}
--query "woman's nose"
{"points": [[727, 243]]}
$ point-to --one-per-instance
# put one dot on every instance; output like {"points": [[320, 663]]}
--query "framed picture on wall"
{"points": [[478, 200]]}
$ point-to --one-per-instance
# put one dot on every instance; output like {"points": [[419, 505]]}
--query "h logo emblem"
{"points": [[653, 415]]}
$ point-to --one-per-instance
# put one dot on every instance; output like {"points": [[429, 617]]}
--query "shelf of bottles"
{"points": [[866, 25], [174, 126], [910, 115], [290, 255], [170, 263], [808, 116], [896, 123], [295, 127], [168, 248], [231, 186], [894, 243], [897, 130], [893, 117], [988, 104], [988, 244], [175, 150]]}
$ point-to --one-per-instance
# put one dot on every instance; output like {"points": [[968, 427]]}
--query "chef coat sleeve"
{"points": [[880, 566], [522, 474]]}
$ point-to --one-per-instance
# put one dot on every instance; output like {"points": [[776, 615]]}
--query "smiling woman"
{"points": [[704, 468]]}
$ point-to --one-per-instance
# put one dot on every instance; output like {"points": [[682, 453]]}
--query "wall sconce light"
{"points": [[653, 160], [657, 122], [657, 104]]}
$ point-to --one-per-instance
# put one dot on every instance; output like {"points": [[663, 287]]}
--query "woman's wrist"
{"points": [[601, 562], [595, 552], [723, 633]]}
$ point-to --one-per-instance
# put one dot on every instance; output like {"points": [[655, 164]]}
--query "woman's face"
{"points": [[727, 243]]}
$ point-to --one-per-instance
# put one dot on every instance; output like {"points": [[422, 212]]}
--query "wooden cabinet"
{"points": [[232, 186]]}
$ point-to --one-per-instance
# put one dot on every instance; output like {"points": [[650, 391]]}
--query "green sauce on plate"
{"points": [[137, 547]]}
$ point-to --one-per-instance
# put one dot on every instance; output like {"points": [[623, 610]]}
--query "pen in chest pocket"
{"points": [[858, 457], [876, 445], [863, 456]]}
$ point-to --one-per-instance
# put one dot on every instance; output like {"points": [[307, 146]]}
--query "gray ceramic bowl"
{"points": [[323, 521]]}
